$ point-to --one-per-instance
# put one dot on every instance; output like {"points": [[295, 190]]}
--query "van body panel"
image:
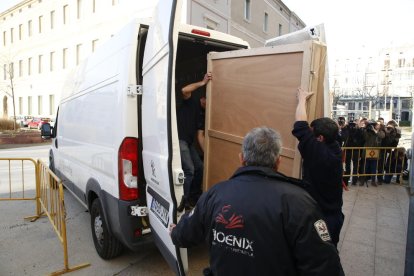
{"points": [[95, 116], [160, 140]]}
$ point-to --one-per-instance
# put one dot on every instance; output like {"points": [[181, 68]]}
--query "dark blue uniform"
{"points": [[260, 223], [322, 170]]}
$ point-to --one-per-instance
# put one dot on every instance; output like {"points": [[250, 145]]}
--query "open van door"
{"points": [[161, 151]]}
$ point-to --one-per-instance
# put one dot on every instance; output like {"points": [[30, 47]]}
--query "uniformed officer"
{"points": [[322, 163], [260, 222]]}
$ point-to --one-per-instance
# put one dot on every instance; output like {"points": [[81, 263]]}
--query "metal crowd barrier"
{"points": [[368, 162], [8, 179], [49, 199]]}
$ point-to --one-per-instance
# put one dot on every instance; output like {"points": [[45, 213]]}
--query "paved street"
{"points": [[373, 239]]}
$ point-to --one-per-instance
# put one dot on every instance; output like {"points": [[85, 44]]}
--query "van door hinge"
{"points": [[134, 90]]}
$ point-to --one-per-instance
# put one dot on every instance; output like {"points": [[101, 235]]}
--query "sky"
{"points": [[353, 27], [5, 4], [358, 27]]}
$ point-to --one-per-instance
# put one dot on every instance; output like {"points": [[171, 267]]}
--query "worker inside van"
{"points": [[189, 116]]}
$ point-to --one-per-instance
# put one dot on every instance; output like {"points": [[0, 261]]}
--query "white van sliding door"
{"points": [[161, 152]]}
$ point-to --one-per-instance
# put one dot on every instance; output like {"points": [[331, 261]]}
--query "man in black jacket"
{"points": [[353, 137], [322, 163], [260, 222]]}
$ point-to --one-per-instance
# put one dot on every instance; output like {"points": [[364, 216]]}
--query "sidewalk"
{"points": [[373, 238]]}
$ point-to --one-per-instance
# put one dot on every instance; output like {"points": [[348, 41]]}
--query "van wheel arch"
{"points": [[106, 245]]}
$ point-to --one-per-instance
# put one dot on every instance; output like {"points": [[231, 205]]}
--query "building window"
{"points": [[52, 19], [29, 66], [40, 24], [52, 57], [20, 68], [247, 10], [29, 28], [51, 104], [29, 105], [94, 44], [401, 61], [405, 104], [20, 31], [93, 6], [65, 14], [11, 70], [4, 38], [78, 53], [265, 22], [351, 106], [280, 30], [78, 9], [39, 105], [11, 35], [20, 105], [64, 57], [40, 64]]}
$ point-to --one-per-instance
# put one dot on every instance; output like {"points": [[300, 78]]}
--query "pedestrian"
{"points": [[373, 135], [322, 163], [397, 164], [260, 222], [353, 138], [188, 116], [391, 139], [341, 126]]}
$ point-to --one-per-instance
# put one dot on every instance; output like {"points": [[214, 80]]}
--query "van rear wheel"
{"points": [[107, 246]]}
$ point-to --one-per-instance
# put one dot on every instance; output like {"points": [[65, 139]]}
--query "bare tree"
{"points": [[8, 86]]}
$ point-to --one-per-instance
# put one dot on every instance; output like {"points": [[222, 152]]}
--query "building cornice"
{"points": [[16, 7]]}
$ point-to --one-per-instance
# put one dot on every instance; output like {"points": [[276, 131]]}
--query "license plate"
{"points": [[160, 211]]}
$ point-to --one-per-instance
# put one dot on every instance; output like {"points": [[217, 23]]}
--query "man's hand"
{"points": [[302, 96], [207, 78], [171, 227], [190, 88]]}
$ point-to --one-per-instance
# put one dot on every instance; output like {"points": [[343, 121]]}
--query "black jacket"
{"points": [[260, 223], [353, 136], [322, 168]]}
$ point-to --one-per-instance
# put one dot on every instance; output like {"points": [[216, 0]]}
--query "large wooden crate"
{"points": [[257, 87]]}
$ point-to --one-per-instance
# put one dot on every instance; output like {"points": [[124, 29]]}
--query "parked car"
{"points": [[37, 122], [25, 121], [22, 120]]}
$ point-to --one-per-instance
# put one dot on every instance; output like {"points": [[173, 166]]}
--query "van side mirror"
{"points": [[46, 131]]}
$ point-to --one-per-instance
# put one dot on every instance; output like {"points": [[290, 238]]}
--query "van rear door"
{"points": [[161, 152]]}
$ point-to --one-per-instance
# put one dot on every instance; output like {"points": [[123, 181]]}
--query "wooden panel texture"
{"points": [[257, 87]]}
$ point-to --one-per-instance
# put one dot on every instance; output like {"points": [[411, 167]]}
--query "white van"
{"points": [[115, 142]]}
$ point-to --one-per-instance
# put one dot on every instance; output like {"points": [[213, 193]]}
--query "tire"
{"points": [[107, 246]]}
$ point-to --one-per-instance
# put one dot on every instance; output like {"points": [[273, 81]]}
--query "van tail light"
{"points": [[200, 32], [128, 169]]}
